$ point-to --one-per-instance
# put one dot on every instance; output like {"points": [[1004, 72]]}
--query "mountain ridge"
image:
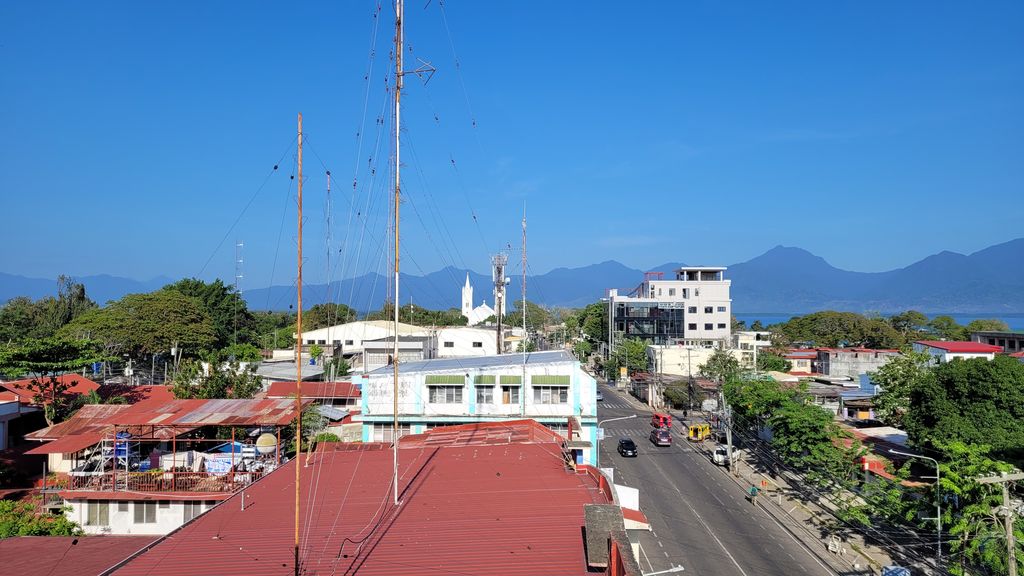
{"points": [[782, 279]]}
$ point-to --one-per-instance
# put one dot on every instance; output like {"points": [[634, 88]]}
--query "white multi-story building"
{"points": [[750, 343], [447, 391], [694, 308], [347, 339], [943, 351]]}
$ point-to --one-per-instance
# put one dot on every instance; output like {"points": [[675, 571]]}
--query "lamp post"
{"points": [[938, 500], [598, 459]]}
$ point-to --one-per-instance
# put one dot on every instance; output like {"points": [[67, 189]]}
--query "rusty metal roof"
{"points": [[88, 418], [216, 412]]}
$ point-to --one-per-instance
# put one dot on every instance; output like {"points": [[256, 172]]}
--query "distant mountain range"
{"points": [[783, 279]]}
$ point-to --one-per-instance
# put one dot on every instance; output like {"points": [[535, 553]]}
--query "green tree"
{"points": [[229, 316], [897, 378], [337, 368], [240, 353], [805, 436], [721, 366], [973, 522], [631, 353], [143, 324], [195, 379], [45, 359], [769, 362], [315, 352], [536, 316], [583, 349], [275, 329], [20, 518], [831, 329], [910, 324], [419, 316], [757, 326], [22, 318], [328, 314], [986, 325], [946, 328], [972, 401]]}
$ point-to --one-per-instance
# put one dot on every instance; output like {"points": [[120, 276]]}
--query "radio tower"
{"points": [[238, 276], [498, 262]]}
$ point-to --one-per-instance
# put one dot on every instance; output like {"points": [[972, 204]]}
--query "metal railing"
{"points": [[164, 481]]}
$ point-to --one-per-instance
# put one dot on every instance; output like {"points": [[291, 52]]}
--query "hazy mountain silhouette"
{"points": [[783, 279]]}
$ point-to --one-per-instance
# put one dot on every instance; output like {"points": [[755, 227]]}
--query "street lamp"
{"points": [[938, 501], [598, 459]]}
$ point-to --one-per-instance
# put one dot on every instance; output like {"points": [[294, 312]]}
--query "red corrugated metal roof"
{"points": [[76, 385], [66, 555], [476, 509], [68, 444], [1017, 355], [219, 412], [961, 347], [88, 418], [314, 390]]}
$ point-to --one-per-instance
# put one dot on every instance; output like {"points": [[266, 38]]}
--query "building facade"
{"points": [[694, 308], [547, 387], [943, 351], [1011, 342], [750, 343], [852, 362]]}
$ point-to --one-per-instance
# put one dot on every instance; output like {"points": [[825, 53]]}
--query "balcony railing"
{"points": [[163, 481]]}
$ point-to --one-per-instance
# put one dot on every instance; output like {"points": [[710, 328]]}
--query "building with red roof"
{"points": [[66, 555], [944, 351], [496, 498], [21, 390], [332, 393]]}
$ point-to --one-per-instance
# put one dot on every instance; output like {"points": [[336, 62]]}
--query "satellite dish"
{"points": [[266, 443]]}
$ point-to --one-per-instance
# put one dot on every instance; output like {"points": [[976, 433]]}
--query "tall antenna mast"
{"points": [[526, 339], [399, 15], [298, 362], [238, 276]]}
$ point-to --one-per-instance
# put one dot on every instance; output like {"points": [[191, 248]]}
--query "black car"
{"points": [[627, 447]]}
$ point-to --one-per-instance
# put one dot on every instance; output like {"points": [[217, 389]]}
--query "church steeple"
{"points": [[467, 297]]}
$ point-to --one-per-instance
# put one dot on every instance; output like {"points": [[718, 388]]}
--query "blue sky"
{"points": [[133, 135]]}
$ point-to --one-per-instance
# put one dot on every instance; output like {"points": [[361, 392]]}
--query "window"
{"points": [[385, 432], [709, 326], [145, 512], [550, 394], [448, 344], [192, 509], [721, 308], [485, 395], [709, 309], [659, 291], [122, 506], [721, 325], [691, 326], [445, 394], [97, 514], [671, 291], [510, 394], [478, 344], [348, 342], [164, 503], [691, 310]]}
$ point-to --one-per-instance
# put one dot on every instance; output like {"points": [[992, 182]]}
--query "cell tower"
{"points": [[238, 277], [498, 263]]}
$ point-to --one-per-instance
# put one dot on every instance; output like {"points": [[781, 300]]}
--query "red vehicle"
{"points": [[661, 437], [659, 420]]}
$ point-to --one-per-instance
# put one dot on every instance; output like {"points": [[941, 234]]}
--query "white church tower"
{"points": [[467, 298]]}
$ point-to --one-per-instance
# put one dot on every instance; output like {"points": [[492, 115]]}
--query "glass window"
{"points": [[721, 325], [509, 394], [97, 513], [478, 344], [485, 395], [550, 394], [709, 326], [671, 291], [348, 342], [385, 432], [721, 308], [691, 310], [165, 503], [691, 326], [448, 344], [709, 309], [445, 394], [192, 509], [145, 512], [122, 506]]}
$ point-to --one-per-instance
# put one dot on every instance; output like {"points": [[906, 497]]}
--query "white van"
{"points": [[721, 455]]}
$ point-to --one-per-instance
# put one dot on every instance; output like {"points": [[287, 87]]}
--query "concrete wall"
{"points": [[122, 522]]}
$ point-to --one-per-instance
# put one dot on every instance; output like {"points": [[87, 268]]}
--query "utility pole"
{"points": [[498, 262], [1005, 478], [726, 419]]}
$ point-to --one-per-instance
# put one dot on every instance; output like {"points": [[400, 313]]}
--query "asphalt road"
{"points": [[700, 519]]}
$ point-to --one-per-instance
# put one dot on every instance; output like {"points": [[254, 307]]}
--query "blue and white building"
{"points": [[548, 387]]}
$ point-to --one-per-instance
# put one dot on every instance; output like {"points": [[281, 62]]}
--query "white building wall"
{"points": [[679, 360], [463, 342], [941, 355], [350, 336], [122, 522]]}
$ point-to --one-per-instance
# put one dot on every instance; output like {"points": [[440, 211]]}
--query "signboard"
{"points": [[622, 372], [600, 433]]}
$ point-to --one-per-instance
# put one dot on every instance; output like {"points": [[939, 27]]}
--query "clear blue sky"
{"points": [[870, 133]]}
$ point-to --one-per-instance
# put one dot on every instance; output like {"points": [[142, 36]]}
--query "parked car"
{"points": [[627, 447], [721, 455], [600, 395], [661, 437]]}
